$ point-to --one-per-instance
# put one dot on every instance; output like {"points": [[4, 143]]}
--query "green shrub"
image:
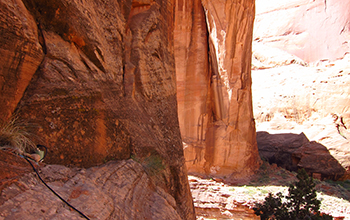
{"points": [[153, 164], [300, 204]]}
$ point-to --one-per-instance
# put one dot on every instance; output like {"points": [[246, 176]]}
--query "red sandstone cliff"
{"points": [[97, 79], [98, 82], [213, 61]]}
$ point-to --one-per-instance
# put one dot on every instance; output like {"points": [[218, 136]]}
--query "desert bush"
{"points": [[300, 204]]}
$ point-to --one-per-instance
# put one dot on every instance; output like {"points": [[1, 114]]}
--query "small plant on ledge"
{"points": [[300, 204], [153, 164], [14, 137]]}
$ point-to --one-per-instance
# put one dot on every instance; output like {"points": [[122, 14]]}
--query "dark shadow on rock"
{"points": [[294, 151]]}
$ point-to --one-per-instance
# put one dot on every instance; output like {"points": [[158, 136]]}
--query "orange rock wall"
{"points": [[21, 54], [97, 81], [213, 58]]}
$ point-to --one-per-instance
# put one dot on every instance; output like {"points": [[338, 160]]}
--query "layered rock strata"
{"points": [[115, 190], [213, 59]]}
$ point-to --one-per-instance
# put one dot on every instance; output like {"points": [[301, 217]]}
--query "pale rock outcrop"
{"points": [[310, 29], [300, 80], [315, 31], [213, 61], [297, 92], [264, 57]]}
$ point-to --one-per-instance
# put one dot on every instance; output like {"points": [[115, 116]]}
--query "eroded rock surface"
{"points": [[12, 168], [213, 61], [115, 190]]}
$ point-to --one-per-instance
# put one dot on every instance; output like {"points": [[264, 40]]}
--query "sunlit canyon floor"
{"points": [[215, 199]]}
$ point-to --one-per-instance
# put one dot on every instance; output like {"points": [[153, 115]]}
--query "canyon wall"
{"points": [[95, 80], [316, 31], [308, 95], [312, 30], [21, 54], [213, 65]]}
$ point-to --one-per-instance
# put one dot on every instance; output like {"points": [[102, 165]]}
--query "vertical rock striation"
{"points": [[192, 72], [101, 84], [214, 89]]}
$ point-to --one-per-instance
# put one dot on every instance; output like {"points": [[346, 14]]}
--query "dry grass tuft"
{"points": [[15, 137]]}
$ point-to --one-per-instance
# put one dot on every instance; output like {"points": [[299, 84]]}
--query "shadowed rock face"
{"points": [[103, 84], [107, 78], [213, 59], [295, 151]]}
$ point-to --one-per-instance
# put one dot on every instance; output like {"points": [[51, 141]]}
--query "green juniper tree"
{"points": [[300, 204]]}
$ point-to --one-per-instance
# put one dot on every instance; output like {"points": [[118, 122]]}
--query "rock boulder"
{"points": [[295, 151]]}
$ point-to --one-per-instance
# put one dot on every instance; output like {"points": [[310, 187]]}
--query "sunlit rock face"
{"points": [[101, 83], [311, 30], [213, 61], [311, 94], [311, 99]]}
